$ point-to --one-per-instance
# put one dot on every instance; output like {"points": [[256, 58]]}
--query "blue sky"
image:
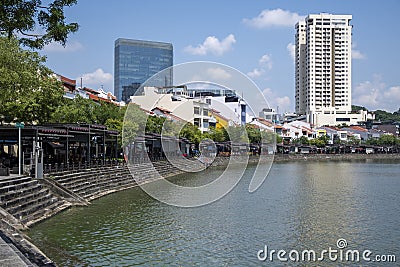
{"points": [[255, 37]]}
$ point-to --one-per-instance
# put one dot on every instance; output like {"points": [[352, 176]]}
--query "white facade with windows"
{"points": [[323, 69], [191, 110]]}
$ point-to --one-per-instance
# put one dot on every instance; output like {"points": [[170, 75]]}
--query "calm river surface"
{"points": [[301, 205]]}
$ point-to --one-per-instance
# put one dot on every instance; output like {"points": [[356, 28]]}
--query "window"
{"points": [[196, 110]]}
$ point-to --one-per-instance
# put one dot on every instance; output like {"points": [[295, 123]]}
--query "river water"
{"points": [[300, 206]]}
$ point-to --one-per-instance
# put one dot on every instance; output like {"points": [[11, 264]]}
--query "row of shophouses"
{"points": [[205, 107], [220, 107]]}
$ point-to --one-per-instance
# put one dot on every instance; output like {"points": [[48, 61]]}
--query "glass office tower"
{"points": [[135, 61]]}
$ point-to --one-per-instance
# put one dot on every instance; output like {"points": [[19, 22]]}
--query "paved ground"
{"points": [[10, 256]]}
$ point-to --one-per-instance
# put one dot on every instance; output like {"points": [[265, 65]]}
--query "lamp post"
{"points": [[19, 125]]}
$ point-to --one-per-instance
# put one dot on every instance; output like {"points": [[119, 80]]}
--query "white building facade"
{"points": [[195, 111], [323, 70]]}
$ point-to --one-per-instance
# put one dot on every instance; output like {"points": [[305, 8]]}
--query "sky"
{"points": [[256, 37]]}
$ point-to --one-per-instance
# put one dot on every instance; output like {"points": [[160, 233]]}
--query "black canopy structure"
{"points": [[65, 144]]}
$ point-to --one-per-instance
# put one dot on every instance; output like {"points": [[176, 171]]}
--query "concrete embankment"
{"points": [[223, 161]]}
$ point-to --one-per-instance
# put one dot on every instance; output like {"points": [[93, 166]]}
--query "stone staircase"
{"points": [[28, 200], [92, 183], [177, 166]]}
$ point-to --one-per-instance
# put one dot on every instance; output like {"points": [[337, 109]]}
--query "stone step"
{"points": [[23, 198], [12, 194], [26, 207], [10, 181], [43, 209], [19, 186]]}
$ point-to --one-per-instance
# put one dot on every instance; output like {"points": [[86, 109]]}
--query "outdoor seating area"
{"points": [[54, 147]]}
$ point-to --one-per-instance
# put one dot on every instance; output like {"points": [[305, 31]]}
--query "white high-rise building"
{"points": [[323, 69]]}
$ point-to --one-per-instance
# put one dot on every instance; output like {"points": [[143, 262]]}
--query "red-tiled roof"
{"points": [[358, 128]]}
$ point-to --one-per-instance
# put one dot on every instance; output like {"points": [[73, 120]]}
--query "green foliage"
{"points": [[154, 124], [237, 134], [321, 141], [191, 132], [279, 139], [77, 110], [104, 111], [82, 110], [303, 140], [385, 139], [134, 124], [23, 17], [28, 93], [385, 116], [352, 140], [254, 134], [355, 108], [218, 134]]}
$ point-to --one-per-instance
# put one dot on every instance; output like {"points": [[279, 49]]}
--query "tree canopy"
{"points": [[35, 24], [385, 116], [28, 91]]}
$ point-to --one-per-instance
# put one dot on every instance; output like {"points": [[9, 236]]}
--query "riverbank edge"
{"points": [[220, 162]]}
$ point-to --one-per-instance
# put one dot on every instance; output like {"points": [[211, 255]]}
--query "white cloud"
{"points": [[275, 100], [376, 95], [218, 74], [275, 17], [212, 45], [256, 73], [283, 103], [355, 53], [393, 93], [97, 79], [69, 47], [291, 48], [266, 61]]}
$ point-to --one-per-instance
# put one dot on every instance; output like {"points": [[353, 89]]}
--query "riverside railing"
{"points": [[95, 163]]}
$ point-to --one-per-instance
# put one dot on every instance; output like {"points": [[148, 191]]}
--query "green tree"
{"points": [[134, 123], [387, 139], [28, 91], [279, 139], [388, 117], [77, 110], [24, 18], [321, 141], [352, 140], [82, 110], [104, 111], [237, 134], [154, 124], [253, 134], [303, 140], [217, 134], [355, 108], [191, 132]]}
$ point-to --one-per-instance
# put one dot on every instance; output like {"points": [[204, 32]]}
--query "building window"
{"points": [[196, 110]]}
